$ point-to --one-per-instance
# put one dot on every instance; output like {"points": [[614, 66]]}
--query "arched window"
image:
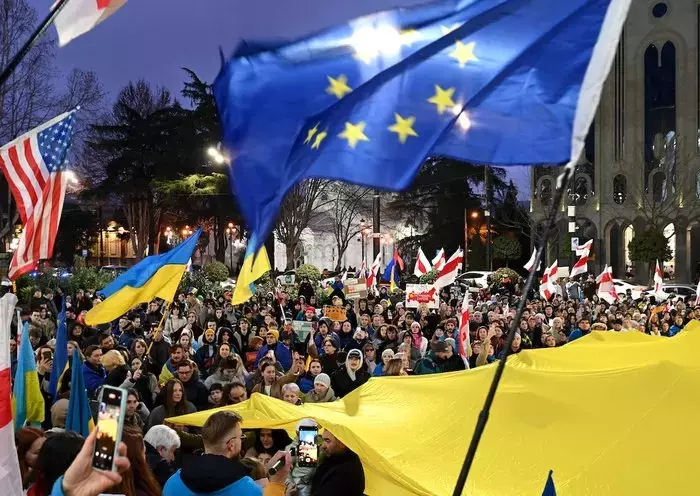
{"points": [[658, 187], [659, 102], [619, 189], [546, 191]]}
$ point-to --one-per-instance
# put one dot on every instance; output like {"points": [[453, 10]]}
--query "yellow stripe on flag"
{"points": [[254, 267]]}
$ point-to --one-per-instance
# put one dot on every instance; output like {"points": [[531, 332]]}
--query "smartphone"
{"points": [[307, 452], [110, 423], [47, 354]]}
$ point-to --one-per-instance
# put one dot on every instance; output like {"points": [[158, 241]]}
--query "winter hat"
{"points": [[274, 332], [216, 387], [439, 346], [323, 378], [388, 353], [451, 342]]}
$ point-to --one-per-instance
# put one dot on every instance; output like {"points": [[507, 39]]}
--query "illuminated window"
{"points": [[619, 189]]}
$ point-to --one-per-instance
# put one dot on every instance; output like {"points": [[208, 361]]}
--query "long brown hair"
{"points": [[139, 478], [24, 438], [174, 409]]}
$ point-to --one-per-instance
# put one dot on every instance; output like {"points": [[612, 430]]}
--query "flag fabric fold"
{"points": [[439, 260], [422, 264], [463, 336], [548, 284], [10, 475], [27, 399], [157, 276], [60, 354], [255, 265], [79, 417], [376, 96], [606, 284], [80, 16], [450, 269], [33, 165], [529, 266], [581, 265], [372, 279]]}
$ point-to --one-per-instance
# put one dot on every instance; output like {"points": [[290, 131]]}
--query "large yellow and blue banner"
{"points": [[157, 276]]}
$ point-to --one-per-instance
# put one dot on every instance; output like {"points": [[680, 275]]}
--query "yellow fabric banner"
{"points": [[611, 414]]}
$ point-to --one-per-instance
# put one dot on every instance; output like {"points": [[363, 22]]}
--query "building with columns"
{"points": [[641, 162]]}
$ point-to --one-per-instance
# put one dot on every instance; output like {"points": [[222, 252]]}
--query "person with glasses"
{"points": [[195, 390], [219, 470]]}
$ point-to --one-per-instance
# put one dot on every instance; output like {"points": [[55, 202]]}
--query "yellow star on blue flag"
{"points": [[501, 82]]}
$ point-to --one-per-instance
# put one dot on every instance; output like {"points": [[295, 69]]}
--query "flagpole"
{"points": [[160, 327], [484, 414], [33, 39]]}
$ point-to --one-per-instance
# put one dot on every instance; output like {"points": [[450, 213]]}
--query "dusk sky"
{"points": [[153, 39]]}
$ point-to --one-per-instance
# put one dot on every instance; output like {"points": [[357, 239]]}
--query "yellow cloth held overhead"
{"points": [[254, 267], [595, 411]]}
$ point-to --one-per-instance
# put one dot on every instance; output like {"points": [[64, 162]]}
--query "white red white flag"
{"points": [[422, 264], [33, 165], [585, 248], [697, 295], [549, 278], [372, 279], [463, 344], [10, 477], [79, 16], [439, 260], [580, 267], [658, 281], [605, 283], [449, 271], [529, 266]]}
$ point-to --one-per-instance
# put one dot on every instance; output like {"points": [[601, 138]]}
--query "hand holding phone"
{"points": [[307, 451], [110, 423]]}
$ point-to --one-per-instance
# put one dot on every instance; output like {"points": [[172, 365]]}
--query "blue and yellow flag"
{"points": [[157, 276], [549, 488], [27, 401], [502, 82], [60, 354], [254, 267], [79, 418]]}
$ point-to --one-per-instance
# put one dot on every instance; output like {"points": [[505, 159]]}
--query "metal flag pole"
{"points": [[33, 39], [483, 418]]}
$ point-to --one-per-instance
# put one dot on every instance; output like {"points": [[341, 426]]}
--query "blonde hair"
{"points": [[112, 359]]}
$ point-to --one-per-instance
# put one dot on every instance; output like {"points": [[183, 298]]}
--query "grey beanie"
{"points": [[323, 379]]}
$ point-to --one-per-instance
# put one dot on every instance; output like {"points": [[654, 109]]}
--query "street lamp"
{"points": [[217, 155], [168, 235], [363, 233], [186, 232], [230, 231]]}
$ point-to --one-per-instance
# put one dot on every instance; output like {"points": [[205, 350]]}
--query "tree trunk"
{"points": [[291, 250], [220, 242]]}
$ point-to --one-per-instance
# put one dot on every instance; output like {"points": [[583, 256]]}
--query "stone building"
{"points": [[641, 160]]}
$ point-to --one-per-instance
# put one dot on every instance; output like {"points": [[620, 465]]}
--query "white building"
{"points": [[641, 160]]}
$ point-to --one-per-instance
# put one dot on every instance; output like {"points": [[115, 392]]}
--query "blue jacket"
{"points": [[673, 330], [282, 355], [211, 475], [577, 333], [94, 378]]}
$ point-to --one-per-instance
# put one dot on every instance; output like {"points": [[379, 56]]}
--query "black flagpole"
{"points": [[33, 39], [484, 414]]}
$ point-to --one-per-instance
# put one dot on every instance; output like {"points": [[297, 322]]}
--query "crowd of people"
{"points": [[200, 353]]}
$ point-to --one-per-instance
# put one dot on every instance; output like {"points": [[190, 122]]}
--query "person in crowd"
{"points": [[229, 370], [268, 441], [282, 354], [387, 355], [234, 393], [339, 472], [159, 350], [272, 381], [291, 394], [188, 347], [56, 455], [161, 444], [28, 441], [136, 412], [206, 354], [175, 321], [93, 371], [195, 391], [115, 367], [174, 404], [169, 370], [395, 367], [350, 376], [138, 480], [218, 471], [441, 358], [322, 391]]}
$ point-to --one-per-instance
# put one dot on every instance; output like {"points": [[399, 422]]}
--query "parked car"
{"points": [[474, 279], [622, 286], [682, 290], [115, 270]]}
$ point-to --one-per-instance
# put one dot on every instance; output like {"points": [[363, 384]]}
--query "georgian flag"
{"points": [[422, 264], [79, 16]]}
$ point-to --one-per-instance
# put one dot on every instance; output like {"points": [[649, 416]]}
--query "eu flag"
{"points": [[501, 82]]}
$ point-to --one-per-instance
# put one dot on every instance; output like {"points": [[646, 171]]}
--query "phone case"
{"points": [[120, 424]]}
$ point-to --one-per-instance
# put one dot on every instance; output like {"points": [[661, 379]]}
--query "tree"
{"points": [[347, 204], [77, 227], [506, 248], [301, 205], [36, 91], [649, 246]]}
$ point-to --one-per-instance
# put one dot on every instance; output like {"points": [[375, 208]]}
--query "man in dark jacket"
{"points": [[93, 371], [282, 354], [218, 471], [441, 358], [161, 443], [340, 472], [195, 391]]}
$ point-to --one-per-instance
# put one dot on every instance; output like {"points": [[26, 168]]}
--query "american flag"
{"points": [[33, 165]]}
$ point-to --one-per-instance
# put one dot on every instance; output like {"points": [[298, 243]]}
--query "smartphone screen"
{"points": [[307, 452], [110, 420]]}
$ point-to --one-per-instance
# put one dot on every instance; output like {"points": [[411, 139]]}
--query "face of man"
{"points": [[137, 322], [354, 362], [176, 355], [107, 343], [237, 395], [132, 404], [271, 339], [364, 320], [233, 444], [95, 357], [330, 445], [184, 372]]}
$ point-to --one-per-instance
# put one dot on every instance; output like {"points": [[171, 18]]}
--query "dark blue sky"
{"points": [[153, 39]]}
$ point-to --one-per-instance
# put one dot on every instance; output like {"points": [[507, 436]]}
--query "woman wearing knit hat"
{"points": [[322, 391], [387, 355], [351, 375]]}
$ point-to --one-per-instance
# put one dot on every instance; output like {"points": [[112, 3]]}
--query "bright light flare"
{"points": [[72, 177], [463, 120], [371, 42]]}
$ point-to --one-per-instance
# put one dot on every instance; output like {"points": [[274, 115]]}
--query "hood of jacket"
{"points": [[210, 473]]}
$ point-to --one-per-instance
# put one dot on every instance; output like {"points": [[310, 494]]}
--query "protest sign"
{"points": [[418, 294], [334, 313], [302, 329], [356, 289]]}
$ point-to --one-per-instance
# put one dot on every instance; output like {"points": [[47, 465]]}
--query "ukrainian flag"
{"points": [[156, 276], [79, 418], [27, 401], [254, 267]]}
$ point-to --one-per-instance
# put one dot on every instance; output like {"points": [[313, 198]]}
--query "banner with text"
{"points": [[422, 294]]}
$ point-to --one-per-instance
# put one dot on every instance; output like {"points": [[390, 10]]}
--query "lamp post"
{"points": [[487, 214], [168, 233], [376, 224], [231, 232], [467, 216], [571, 212]]}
